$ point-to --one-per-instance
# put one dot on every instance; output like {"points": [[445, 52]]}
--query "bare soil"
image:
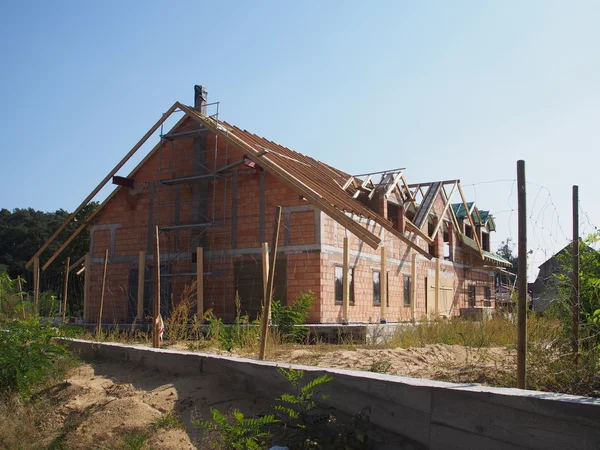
{"points": [[108, 405]]}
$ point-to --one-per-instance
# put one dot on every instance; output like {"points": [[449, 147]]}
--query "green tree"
{"points": [[24, 231]]}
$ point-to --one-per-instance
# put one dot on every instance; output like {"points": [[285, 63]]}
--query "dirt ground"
{"points": [[115, 406], [436, 362]]}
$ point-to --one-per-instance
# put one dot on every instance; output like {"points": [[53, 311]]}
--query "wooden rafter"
{"points": [[446, 206], [280, 173], [475, 233], [101, 185], [89, 219]]}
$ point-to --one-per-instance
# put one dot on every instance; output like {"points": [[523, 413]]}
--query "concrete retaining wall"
{"points": [[430, 414]]}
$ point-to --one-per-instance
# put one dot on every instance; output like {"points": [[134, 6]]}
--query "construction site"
{"points": [[205, 199]]}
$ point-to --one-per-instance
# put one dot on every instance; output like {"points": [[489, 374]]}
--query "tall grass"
{"points": [[498, 331]]}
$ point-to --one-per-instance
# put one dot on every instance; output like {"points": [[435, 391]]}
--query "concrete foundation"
{"points": [[420, 413]]}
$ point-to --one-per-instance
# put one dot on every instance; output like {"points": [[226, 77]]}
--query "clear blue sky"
{"points": [[448, 90]]}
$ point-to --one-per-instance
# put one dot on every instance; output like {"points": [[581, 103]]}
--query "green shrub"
{"points": [[239, 433], [288, 319], [27, 354]]}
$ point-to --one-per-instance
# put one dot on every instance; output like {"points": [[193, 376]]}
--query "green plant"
{"points": [[288, 319], [134, 439], [242, 334], [239, 433], [380, 366], [27, 354], [300, 407], [168, 421], [49, 305]]}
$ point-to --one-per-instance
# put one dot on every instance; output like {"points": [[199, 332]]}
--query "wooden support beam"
{"points": [[20, 287], [475, 233], [446, 206], [200, 281], [383, 287], [103, 183], [77, 263], [522, 278], [271, 280], [86, 286], [286, 177], [36, 284], [66, 288], [89, 219], [156, 299], [429, 183], [99, 329], [265, 269], [418, 232], [437, 287], [346, 283], [140, 286], [413, 287], [408, 191]]}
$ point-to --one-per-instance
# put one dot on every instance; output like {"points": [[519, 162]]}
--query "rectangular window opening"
{"points": [[339, 285], [407, 290], [376, 289], [472, 299]]}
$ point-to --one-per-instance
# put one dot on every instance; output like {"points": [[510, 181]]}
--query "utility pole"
{"points": [[575, 252], [522, 277]]}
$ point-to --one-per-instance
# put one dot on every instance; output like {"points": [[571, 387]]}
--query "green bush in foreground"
{"points": [[27, 354]]}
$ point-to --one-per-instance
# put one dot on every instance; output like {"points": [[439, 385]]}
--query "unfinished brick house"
{"points": [[212, 190]]}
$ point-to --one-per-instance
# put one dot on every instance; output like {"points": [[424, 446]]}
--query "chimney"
{"points": [[200, 96]]}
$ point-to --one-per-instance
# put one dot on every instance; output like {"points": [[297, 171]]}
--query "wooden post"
{"points": [[575, 252], [383, 287], [269, 297], [140, 286], [66, 289], [522, 277], [413, 287], [346, 283], [20, 287], [87, 265], [265, 267], [200, 281], [156, 302], [437, 287], [99, 329], [36, 285]]}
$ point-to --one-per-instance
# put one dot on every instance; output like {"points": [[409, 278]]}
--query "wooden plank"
{"points": [[269, 297], [200, 281], [77, 263], [36, 284], [419, 232], [413, 297], [89, 219], [313, 197], [20, 287], [156, 299], [429, 183], [66, 288], [265, 268], [99, 329], [446, 206], [437, 287], [140, 286], [475, 233], [86, 286], [346, 282], [103, 183], [383, 287]]}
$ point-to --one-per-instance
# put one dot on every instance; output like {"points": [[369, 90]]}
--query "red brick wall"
{"points": [[130, 209]]}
